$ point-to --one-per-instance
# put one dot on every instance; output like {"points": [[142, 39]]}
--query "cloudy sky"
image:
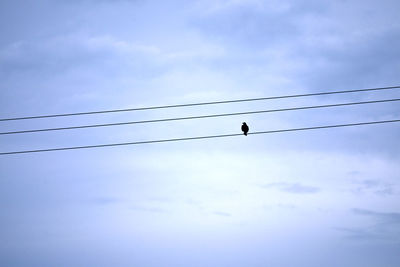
{"points": [[313, 198]]}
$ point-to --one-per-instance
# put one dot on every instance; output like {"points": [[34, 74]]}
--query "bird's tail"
{"points": [[245, 134]]}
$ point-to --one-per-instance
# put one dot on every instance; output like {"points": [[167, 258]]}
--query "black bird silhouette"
{"points": [[245, 128]]}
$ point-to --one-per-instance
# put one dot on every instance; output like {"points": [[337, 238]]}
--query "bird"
{"points": [[245, 128]]}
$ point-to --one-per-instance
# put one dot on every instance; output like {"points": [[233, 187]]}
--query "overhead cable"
{"points": [[197, 137], [198, 104], [198, 117]]}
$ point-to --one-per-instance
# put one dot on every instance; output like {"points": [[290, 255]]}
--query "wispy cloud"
{"points": [[385, 226], [359, 234], [71, 51], [381, 217], [374, 186], [294, 188]]}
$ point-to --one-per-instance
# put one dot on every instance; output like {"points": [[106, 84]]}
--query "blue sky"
{"points": [[315, 198]]}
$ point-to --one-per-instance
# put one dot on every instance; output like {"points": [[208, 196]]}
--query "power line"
{"points": [[197, 137], [199, 117], [198, 104]]}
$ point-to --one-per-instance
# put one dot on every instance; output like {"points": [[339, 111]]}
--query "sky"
{"points": [[313, 198]]}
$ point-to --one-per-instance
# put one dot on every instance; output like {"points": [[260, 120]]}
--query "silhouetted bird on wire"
{"points": [[245, 128]]}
